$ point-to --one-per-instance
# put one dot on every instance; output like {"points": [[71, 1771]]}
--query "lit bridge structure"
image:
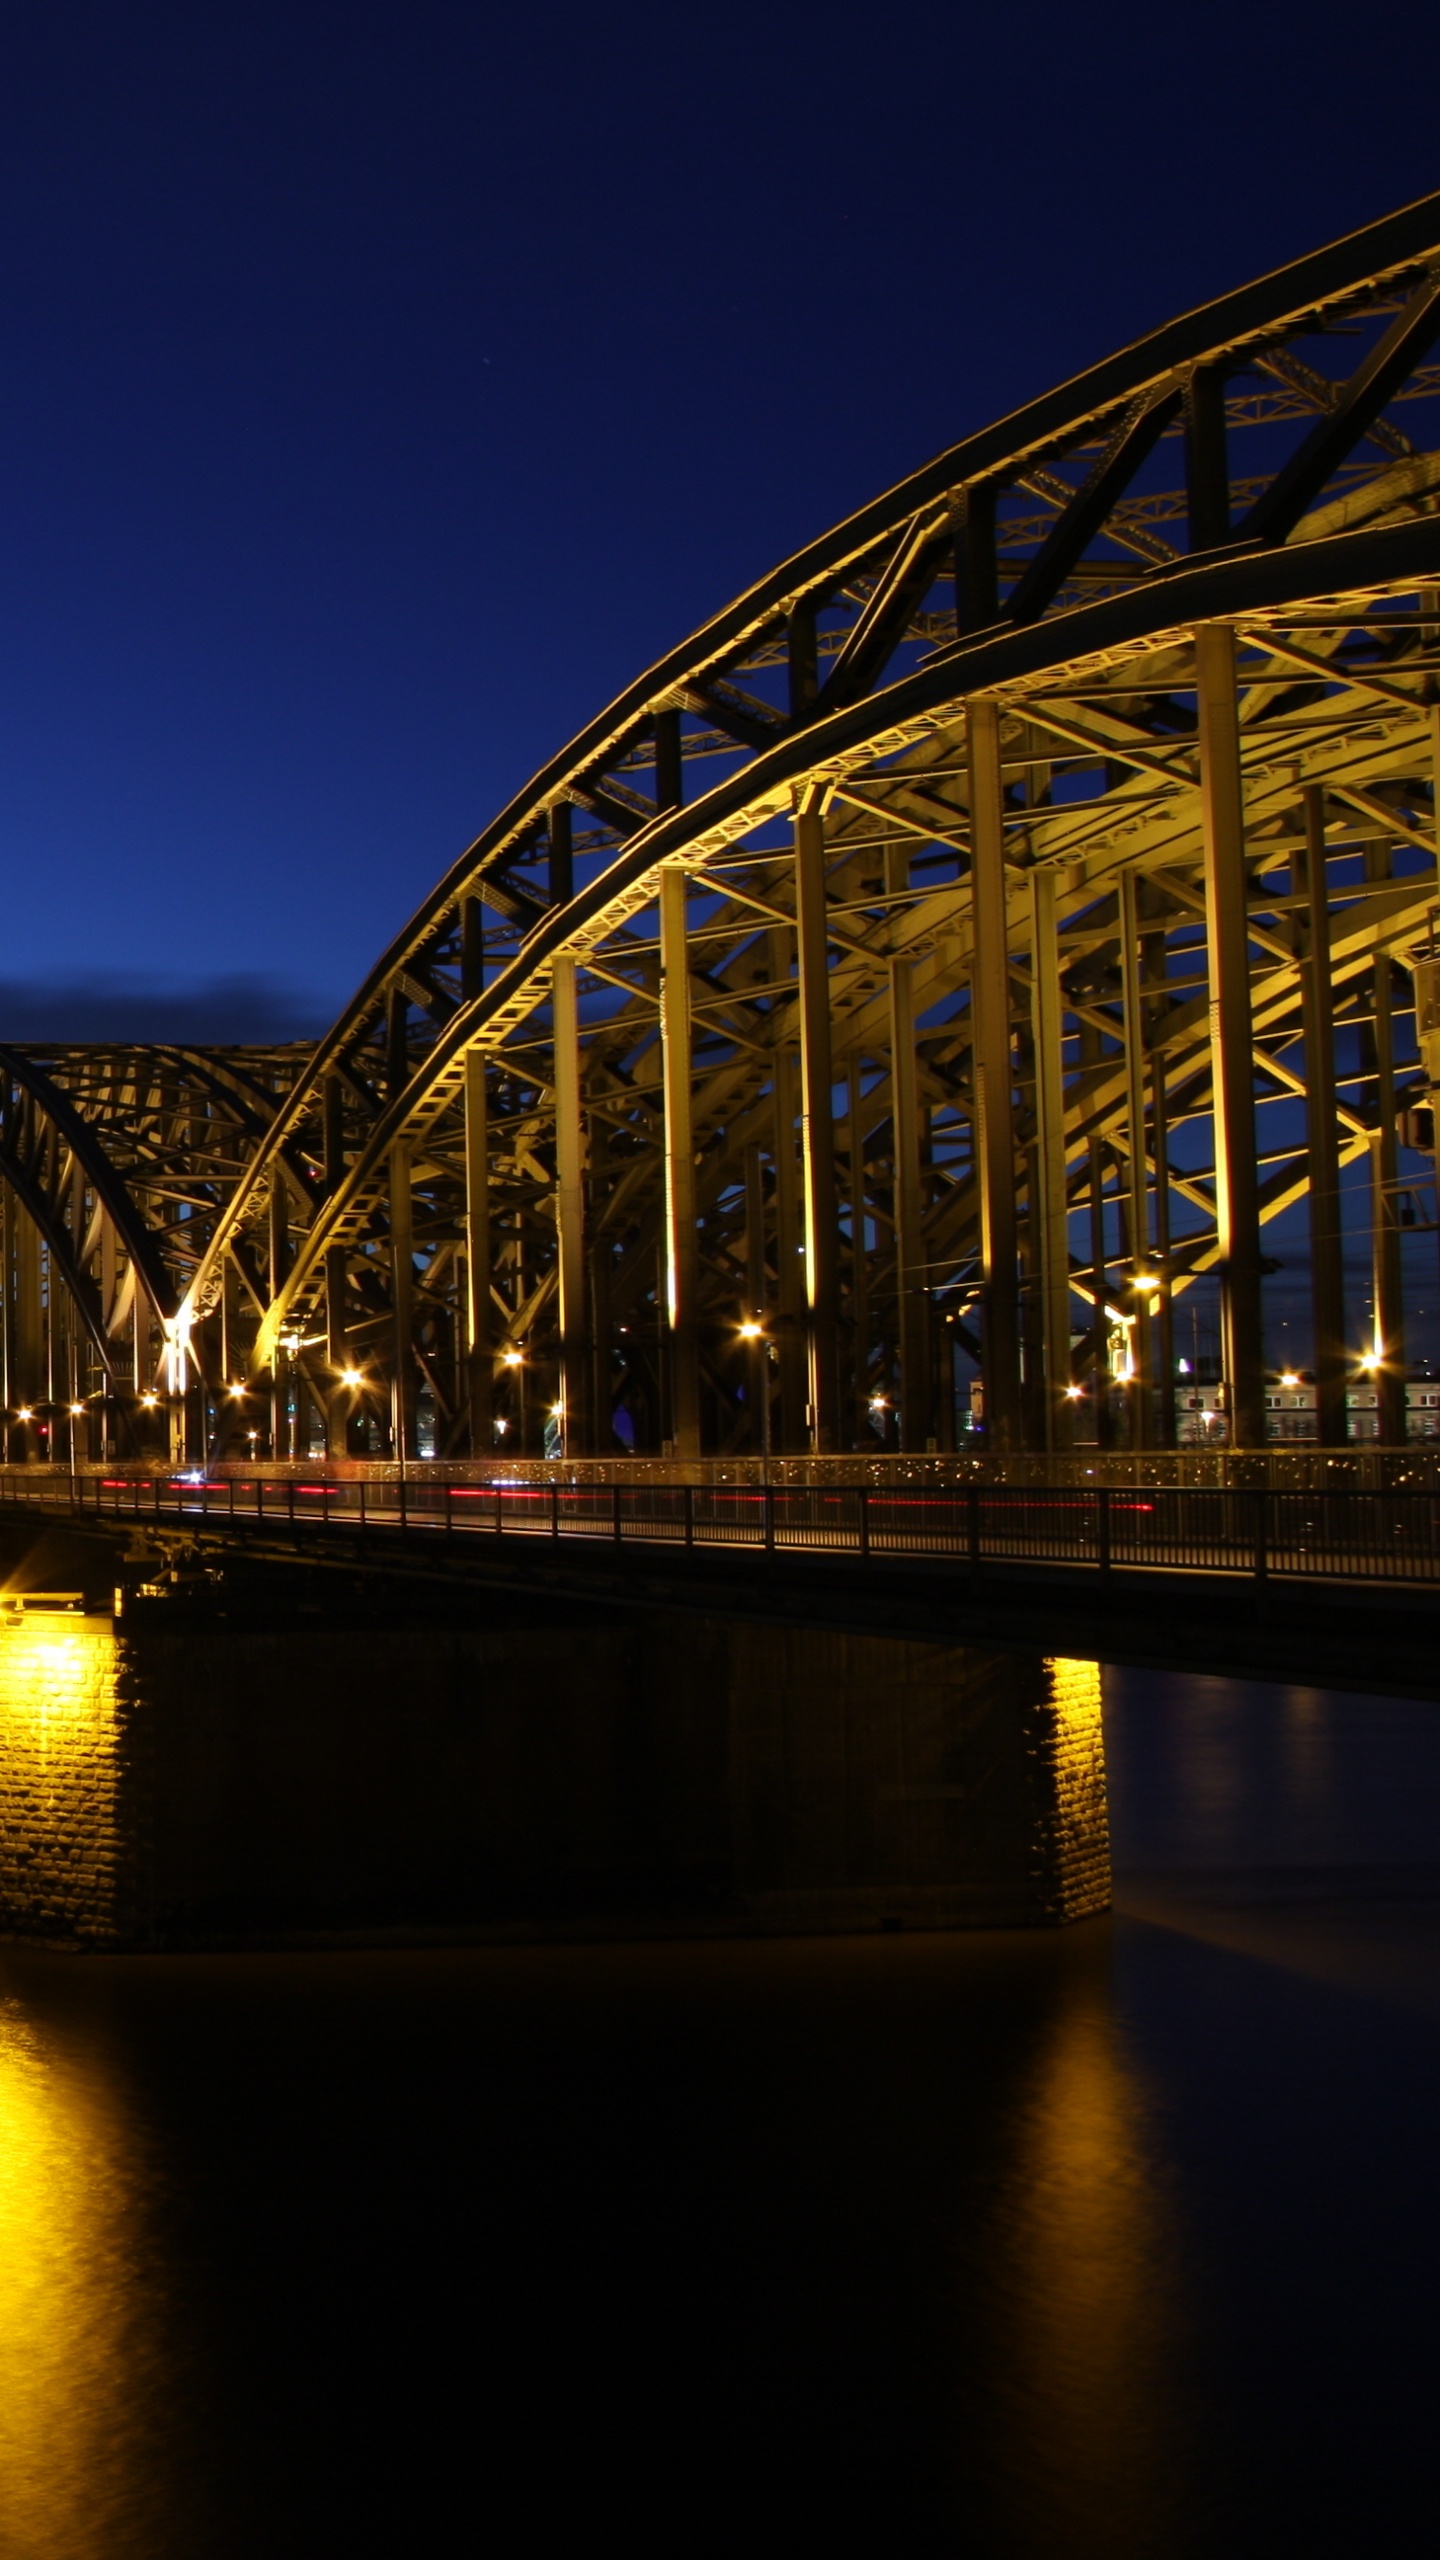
{"points": [[882, 1018]]}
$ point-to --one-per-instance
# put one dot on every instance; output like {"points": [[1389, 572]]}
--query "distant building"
{"points": [[1290, 1410]]}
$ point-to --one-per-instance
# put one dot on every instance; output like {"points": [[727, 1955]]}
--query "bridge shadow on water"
{"points": [[1114, 2240]]}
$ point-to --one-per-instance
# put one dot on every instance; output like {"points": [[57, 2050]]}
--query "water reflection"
{"points": [[78, 2351], [1089, 2326]]}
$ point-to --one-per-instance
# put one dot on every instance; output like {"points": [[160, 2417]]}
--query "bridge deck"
{"points": [[1336, 1589], [1348, 1535]]}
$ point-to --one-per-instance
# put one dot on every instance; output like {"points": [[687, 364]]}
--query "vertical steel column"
{"points": [[479, 1328], [402, 1288], [1389, 1302], [817, 1132], [1050, 1206], [278, 1265], [337, 1353], [337, 1349], [601, 1406], [1237, 1198], [1138, 1186], [994, 1135], [790, 1287], [1322, 1133], [859, 1254], [30, 1319], [757, 1367], [681, 1255], [913, 1421], [570, 1206]]}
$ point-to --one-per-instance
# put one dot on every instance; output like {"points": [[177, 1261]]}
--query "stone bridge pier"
{"points": [[276, 1767]]}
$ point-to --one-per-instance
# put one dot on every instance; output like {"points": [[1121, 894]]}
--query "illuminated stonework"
{"points": [[64, 1851], [1073, 1842]]}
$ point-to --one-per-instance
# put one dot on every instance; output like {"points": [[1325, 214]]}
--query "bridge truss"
{"points": [[958, 952]]}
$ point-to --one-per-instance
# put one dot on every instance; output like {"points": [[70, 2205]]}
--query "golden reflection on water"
{"points": [[1092, 2337], [76, 2343]]}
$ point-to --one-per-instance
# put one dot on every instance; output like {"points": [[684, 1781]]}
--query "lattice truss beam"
{"points": [[992, 920]]}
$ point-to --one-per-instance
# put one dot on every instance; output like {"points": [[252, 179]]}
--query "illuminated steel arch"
{"points": [[119, 1159], [973, 936]]}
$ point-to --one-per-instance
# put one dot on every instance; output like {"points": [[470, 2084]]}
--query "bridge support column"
{"points": [[790, 1291], [570, 1210], [914, 1419], [1232, 1065], [990, 1014], [340, 1399], [859, 1254], [681, 1255], [1322, 1137], [364, 1770], [402, 1285], [817, 1132], [479, 1324], [1050, 1205], [1142, 1384], [1388, 1347]]}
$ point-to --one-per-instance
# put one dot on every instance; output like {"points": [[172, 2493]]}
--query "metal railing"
{"points": [[1349, 1534]]}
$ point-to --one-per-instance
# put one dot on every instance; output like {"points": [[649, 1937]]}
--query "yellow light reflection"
{"points": [[73, 2320], [1093, 2336]]}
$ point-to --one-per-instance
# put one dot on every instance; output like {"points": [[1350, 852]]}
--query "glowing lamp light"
{"points": [[352, 1378], [1073, 1395], [878, 1403], [1147, 1282], [237, 1392], [1288, 1378], [77, 1410], [511, 1359], [150, 1397], [750, 1331], [25, 1414]]}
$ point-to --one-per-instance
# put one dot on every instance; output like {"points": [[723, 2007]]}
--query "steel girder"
{"points": [[923, 939]]}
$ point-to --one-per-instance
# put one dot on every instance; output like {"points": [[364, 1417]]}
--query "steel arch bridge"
{"points": [[959, 950]]}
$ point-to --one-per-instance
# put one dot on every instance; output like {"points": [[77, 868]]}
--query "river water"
{"points": [[1120, 2241]]}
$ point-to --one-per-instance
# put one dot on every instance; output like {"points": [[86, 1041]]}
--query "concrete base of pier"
{"points": [[603, 1773]]}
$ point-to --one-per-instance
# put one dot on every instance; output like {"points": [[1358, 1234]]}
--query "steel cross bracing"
{"points": [[975, 937]]}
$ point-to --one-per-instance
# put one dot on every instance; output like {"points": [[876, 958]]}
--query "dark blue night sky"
{"points": [[381, 387]]}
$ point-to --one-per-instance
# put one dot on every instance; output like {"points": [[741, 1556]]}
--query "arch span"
{"points": [[921, 983]]}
